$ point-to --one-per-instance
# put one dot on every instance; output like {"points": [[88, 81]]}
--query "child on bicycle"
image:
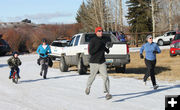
{"points": [[13, 63]]}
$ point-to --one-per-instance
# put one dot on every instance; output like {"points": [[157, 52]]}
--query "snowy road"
{"points": [[65, 91]]}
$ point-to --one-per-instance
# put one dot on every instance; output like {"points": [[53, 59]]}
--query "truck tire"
{"points": [[3, 54], [53, 58], [81, 68], [62, 65], [121, 69], [160, 42]]}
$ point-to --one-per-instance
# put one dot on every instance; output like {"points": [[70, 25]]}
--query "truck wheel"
{"points": [[62, 65], [121, 69], [53, 58], [3, 54], [160, 42], [81, 68]]}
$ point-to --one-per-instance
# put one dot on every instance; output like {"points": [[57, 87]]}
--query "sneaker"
{"points": [[108, 96], [41, 73], [155, 87], [19, 77], [145, 83], [105, 91], [87, 91], [9, 77]]}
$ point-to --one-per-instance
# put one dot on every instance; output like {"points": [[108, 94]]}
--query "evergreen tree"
{"points": [[139, 15]]}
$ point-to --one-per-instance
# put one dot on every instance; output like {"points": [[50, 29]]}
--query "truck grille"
{"points": [[177, 45]]}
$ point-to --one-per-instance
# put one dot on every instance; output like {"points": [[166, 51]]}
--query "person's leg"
{"points": [[103, 72], [93, 72], [18, 71], [11, 72], [45, 68], [147, 74], [153, 79], [42, 66]]}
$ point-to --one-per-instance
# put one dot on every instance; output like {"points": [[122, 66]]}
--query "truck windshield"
{"points": [[177, 37], [59, 44]]}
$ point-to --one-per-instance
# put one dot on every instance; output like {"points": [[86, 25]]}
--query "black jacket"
{"points": [[97, 49]]}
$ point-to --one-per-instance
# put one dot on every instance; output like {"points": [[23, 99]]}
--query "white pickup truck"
{"points": [[165, 39], [57, 48], [76, 53]]}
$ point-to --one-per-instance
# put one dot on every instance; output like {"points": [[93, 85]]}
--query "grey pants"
{"points": [[102, 68], [44, 65]]}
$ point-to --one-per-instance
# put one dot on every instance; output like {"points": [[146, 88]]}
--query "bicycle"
{"points": [[15, 77]]}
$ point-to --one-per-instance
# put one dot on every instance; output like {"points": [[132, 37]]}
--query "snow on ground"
{"points": [[65, 91]]}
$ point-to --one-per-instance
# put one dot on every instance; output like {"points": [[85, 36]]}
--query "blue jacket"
{"points": [[43, 52], [149, 48]]}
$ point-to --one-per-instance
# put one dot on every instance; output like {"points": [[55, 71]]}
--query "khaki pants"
{"points": [[102, 68]]}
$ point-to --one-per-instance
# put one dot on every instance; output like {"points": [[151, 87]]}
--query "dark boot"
{"points": [[19, 77], [44, 77], [41, 73], [9, 77]]}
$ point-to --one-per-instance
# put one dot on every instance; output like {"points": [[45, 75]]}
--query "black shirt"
{"points": [[97, 49]]}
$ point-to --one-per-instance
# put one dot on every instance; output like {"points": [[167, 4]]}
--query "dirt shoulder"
{"points": [[167, 68]]}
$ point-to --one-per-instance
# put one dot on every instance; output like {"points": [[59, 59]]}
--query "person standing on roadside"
{"points": [[97, 49], [43, 50], [151, 49]]}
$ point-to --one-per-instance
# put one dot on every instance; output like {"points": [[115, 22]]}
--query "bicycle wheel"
{"points": [[15, 77]]}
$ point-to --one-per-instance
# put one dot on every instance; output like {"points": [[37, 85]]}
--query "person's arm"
{"points": [[49, 49], [141, 52], [19, 62], [142, 49], [10, 62], [157, 49]]}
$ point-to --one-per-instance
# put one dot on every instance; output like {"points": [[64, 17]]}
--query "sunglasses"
{"points": [[99, 31], [150, 38]]}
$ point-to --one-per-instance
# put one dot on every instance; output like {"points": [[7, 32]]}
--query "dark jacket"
{"points": [[14, 62], [97, 50]]}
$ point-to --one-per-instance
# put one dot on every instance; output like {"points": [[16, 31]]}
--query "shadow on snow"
{"points": [[35, 80]]}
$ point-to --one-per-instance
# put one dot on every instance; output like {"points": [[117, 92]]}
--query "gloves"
{"points": [[141, 56], [41, 54], [107, 50], [155, 52], [47, 53]]}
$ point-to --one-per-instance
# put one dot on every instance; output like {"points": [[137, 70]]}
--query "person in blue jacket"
{"points": [[151, 49], [43, 50]]}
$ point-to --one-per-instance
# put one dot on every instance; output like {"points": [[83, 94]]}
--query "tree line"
{"points": [[142, 15], [27, 38]]}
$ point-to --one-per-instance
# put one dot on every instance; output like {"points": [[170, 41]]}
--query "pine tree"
{"points": [[139, 15]]}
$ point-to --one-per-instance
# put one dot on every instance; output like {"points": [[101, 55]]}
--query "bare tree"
{"points": [[120, 15], [153, 17], [170, 14]]}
